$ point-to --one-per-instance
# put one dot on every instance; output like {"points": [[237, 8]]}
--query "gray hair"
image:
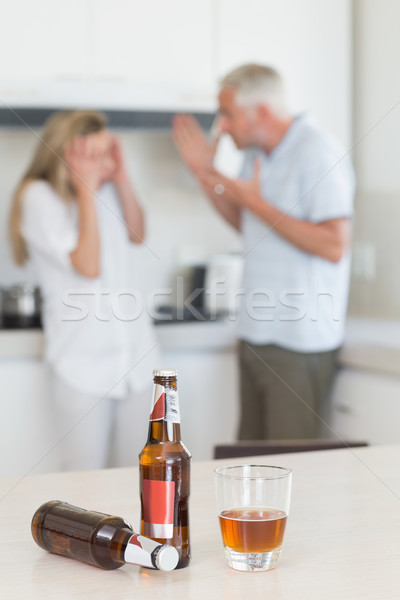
{"points": [[257, 84]]}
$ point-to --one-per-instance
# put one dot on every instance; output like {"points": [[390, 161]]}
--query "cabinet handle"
{"points": [[342, 408]]}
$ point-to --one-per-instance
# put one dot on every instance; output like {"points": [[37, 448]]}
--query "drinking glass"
{"points": [[253, 505]]}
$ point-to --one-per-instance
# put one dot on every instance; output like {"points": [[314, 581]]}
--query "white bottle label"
{"points": [[138, 551]]}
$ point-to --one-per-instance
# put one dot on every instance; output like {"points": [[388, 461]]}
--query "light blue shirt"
{"points": [[291, 298]]}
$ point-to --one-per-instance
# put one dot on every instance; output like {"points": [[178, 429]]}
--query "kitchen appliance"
{"points": [[223, 280], [20, 306], [190, 306], [212, 290]]}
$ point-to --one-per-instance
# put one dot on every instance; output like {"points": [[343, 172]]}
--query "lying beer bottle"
{"points": [[96, 538], [164, 468]]}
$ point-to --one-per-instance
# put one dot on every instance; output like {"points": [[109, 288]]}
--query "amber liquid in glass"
{"points": [[252, 529]]}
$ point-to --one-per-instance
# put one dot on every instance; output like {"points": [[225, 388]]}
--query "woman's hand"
{"points": [[84, 160]]}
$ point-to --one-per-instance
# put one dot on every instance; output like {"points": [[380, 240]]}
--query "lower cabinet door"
{"points": [[366, 406], [28, 438], [208, 398]]}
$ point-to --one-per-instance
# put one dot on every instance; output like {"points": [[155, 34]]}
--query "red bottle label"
{"points": [[158, 407], [158, 508], [165, 405]]}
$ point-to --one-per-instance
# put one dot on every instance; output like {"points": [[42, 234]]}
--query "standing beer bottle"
{"points": [[164, 467]]}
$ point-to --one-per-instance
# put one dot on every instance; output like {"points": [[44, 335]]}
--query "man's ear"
{"points": [[263, 113]]}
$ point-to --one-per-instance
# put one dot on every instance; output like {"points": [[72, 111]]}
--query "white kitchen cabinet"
{"points": [[150, 42], [43, 40], [158, 55], [110, 54], [208, 398], [205, 355], [366, 406], [27, 434], [308, 41], [366, 391]]}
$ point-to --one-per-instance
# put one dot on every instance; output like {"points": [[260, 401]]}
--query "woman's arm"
{"points": [[85, 174], [86, 256], [132, 210]]}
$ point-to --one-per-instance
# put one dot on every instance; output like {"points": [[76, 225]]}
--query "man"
{"points": [[293, 204]]}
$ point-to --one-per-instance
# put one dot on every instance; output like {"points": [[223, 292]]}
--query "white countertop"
{"points": [[21, 343], [370, 344], [342, 540], [197, 335], [202, 335]]}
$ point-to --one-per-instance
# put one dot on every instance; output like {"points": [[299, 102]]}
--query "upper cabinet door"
{"points": [[43, 40], [162, 43], [308, 41], [44, 53], [157, 54]]}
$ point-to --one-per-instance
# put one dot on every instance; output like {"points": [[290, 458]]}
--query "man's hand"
{"points": [[192, 145], [244, 194]]}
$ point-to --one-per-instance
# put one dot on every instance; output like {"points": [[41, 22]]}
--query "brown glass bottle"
{"points": [[164, 467], [96, 538]]}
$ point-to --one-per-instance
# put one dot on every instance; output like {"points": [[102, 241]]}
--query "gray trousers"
{"points": [[284, 394]]}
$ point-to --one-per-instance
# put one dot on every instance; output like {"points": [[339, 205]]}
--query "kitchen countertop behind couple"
{"points": [[370, 344], [199, 335]]}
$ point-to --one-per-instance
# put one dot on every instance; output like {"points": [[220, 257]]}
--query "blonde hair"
{"points": [[257, 84], [48, 164]]}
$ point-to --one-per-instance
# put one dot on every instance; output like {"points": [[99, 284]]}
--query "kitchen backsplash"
{"points": [[184, 229], [375, 288]]}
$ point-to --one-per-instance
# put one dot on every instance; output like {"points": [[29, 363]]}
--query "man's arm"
{"points": [[228, 210], [198, 155], [328, 239]]}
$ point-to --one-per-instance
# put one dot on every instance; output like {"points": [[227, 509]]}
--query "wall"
{"points": [[376, 272], [312, 49], [168, 192], [182, 227]]}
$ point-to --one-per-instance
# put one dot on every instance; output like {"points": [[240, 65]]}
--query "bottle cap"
{"points": [[165, 373], [167, 558]]}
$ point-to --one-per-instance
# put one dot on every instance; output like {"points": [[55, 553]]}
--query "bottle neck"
{"points": [[164, 423], [119, 545], [162, 431], [144, 551]]}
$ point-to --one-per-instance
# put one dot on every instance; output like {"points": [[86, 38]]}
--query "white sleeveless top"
{"points": [[99, 337]]}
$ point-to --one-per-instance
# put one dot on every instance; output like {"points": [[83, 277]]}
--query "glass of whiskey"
{"points": [[253, 505]]}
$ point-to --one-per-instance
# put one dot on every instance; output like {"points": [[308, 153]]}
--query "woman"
{"points": [[73, 215]]}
